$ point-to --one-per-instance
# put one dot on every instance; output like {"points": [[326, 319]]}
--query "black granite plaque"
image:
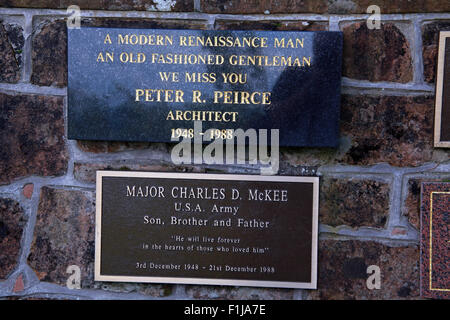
{"points": [[150, 85], [206, 229], [442, 114]]}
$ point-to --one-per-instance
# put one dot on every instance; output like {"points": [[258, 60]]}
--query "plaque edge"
{"points": [[208, 281], [438, 143]]}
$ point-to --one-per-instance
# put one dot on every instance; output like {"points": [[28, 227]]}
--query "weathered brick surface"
{"points": [[11, 46], [31, 136], [393, 129], [12, 222], [237, 293], [342, 271], [64, 235], [354, 203], [376, 55], [430, 42], [322, 6], [141, 5], [86, 172], [271, 25]]}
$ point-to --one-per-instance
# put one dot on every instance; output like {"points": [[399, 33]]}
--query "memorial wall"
{"points": [[198, 149]]}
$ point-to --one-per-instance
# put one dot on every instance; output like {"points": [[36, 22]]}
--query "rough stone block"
{"points": [[31, 136], [376, 55], [11, 46], [393, 129], [49, 54], [64, 235], [343, 273], [12, 222], [355, 203]]}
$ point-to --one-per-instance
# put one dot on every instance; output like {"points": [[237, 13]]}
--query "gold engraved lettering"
{"points": [[107, 39], [223, 41], [269, 61], [282, 43], [159, 95], [204, 115], [241, 97], [108, 57], [145, 39], [196, 96]]}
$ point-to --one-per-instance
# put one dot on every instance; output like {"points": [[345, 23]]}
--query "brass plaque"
{"points": [[238, 230]]}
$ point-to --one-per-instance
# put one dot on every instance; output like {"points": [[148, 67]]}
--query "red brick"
{"points": [[18, 285], [27, 190]]}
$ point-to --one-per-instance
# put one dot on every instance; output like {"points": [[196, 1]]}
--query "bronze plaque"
{"points": [[207, 229], [442, 113]]}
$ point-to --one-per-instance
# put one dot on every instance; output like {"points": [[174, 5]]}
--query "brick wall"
{"points": [[370, 185]]}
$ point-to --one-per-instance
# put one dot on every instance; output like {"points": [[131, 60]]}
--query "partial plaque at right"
{"points": [[442, 109], [435, 240]]}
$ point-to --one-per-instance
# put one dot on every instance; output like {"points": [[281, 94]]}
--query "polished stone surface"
{"points": [[304, 98]]}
